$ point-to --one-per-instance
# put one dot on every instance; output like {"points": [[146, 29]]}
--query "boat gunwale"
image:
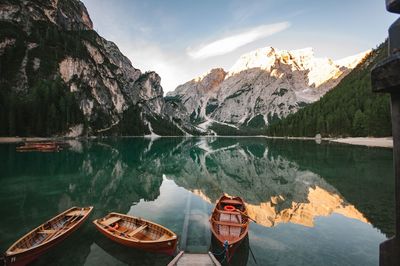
{"points": [[120, 236], [9, 251]]}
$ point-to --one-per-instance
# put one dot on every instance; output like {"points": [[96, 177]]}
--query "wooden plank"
{"points": [[194, 259], [137, 230], [164, 237], [47, 231], [216, 262], [75, 213], [110, 220], [228, 212], [231, 202], [228, 224], [175, 260]]}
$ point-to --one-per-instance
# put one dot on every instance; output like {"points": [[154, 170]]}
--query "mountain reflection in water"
{"points": [[275, 189], [282, 181]]}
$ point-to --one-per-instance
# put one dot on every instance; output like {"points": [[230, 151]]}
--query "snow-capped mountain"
{"points": [[261, 86]]}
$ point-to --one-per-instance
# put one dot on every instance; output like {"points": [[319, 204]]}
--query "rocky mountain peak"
{"points": [[263, 85], [67, 14], [320, 70], [50, 45]]}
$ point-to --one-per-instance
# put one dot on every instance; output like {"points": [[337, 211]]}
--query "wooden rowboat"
{"points": [[45, 236], [137, 233], [39, 146], [229, 224]]}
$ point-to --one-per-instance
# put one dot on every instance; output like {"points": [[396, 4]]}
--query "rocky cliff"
{"points": [[58, 76], [262, 86]]}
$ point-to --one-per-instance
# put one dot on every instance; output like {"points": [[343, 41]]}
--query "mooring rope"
{"points": [[224, 251]]}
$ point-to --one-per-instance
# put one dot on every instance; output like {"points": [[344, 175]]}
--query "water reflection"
{"points": [[276, 189], [283, 182]]}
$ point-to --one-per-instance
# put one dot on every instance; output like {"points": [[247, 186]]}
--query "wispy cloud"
{"points": [[231, 43]]}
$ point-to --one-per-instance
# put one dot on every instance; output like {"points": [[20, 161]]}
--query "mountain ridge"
{"points": [[351, 109], [263, 85]]}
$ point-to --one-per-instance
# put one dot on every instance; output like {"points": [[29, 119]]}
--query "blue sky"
{"points": [[183, 39]]}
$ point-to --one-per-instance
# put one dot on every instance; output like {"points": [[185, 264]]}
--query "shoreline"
{"points": [[367, 141], [386, 142]]}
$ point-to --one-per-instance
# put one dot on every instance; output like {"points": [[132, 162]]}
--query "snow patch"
{"points": [[75, 131], [75, 145], [152, 135]]}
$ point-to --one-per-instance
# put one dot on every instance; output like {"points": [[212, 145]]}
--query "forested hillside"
{"points": [[58, 77], [350, 109]]}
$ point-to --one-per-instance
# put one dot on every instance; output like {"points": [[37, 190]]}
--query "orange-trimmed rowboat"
{"points": [[39, 146], [229, 223], [137, 233], [39, 240]]}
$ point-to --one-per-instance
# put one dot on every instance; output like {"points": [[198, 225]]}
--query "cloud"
{"points": [[228, 44]]}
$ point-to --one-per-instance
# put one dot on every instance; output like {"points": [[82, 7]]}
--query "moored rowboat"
{"points": [[137, 233], [39, 146], [45, 236], [229, 223]]}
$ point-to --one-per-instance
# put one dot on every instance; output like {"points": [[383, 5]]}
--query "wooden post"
{"points": [[385, 78]]}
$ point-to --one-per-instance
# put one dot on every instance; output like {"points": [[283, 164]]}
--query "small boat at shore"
{"points": [[229, 224], [137, 233], [39, 146], [39, 240]]}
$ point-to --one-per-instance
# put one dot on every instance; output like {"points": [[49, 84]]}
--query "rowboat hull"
{"points": [[158, 245], [16, 256], [165, 248], [40, 147], [231, 226]]}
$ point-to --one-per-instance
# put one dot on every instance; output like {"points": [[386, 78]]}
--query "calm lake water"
{"points": [[315, 204]]}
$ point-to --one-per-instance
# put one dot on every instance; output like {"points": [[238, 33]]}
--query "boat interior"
{"points": [[133, 228], [229, 224], [50, 229]]}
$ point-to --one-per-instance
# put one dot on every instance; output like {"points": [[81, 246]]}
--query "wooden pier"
{"points": [[200, 256], [185, 259]]}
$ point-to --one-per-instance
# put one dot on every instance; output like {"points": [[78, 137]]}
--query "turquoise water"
{"points": [[315, 204]]}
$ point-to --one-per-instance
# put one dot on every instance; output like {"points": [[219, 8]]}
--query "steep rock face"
{"points": [[70, 15], [195, 94], [54, 41], [263, 85]]}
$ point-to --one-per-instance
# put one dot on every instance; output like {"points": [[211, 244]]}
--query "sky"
{"points": [[183, 39]]}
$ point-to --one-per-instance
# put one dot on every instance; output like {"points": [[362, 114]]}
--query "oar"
{"points": [[242, 213]]}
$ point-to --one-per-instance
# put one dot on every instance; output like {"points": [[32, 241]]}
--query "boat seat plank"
{"points": [[47, 231], [164, 237], [137, 230], [76, 213], [110, 220], [229, 224], [228, 212], [125, 231], [233, 202]]}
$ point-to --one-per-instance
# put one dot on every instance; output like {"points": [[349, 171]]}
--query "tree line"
{"points": [[350, 109]]}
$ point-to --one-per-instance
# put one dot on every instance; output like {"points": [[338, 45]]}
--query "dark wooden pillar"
{"points": [[386, 78]]}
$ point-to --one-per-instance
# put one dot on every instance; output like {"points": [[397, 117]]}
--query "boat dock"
{"points": [[195, 249], [184, 259]]}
